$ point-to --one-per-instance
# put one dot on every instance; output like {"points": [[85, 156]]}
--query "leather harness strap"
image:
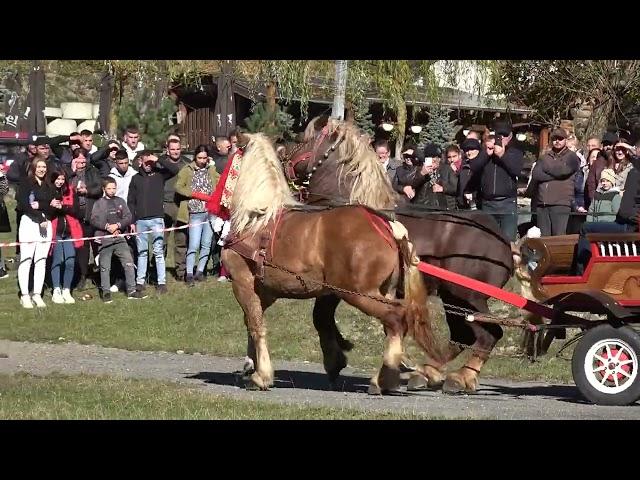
{"points": [[246, 246]]}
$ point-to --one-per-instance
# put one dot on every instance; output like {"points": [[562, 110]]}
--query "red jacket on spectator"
{"points": [[75, 229]]}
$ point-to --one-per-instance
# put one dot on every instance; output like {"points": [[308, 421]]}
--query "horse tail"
{"points": [[417, 314]]}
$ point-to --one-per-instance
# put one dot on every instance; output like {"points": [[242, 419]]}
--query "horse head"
{"points": [[336, 161]]}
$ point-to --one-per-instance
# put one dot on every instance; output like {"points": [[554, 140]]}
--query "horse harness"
{"points": [[256, 247], [259, 247], [301, 154]]}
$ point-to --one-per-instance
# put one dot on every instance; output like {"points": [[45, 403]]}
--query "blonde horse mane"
{"points": [[371, 184], [261, 190], [357, 159]]}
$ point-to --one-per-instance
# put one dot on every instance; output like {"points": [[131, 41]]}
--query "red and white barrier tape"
{"points": [[15, 244]]}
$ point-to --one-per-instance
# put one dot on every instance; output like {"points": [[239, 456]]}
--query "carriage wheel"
{"points": [[605, 365]]}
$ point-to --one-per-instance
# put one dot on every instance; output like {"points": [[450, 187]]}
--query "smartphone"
{"points": [[428, 162], [498, 140]]}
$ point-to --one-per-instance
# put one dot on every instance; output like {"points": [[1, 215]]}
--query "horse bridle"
{"points": [[313, 166], [295, 158]]}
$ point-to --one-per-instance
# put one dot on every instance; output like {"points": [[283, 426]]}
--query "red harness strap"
{"points": [[381, 226], [291, 164]]}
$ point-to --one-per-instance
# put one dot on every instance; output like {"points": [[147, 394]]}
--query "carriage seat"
{"points": [[554, 255]]}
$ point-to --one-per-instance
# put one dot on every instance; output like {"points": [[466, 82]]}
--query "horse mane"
{"points": [[261, 190], [357, 159]]}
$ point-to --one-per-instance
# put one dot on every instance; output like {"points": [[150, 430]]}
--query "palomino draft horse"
{"points": [[276, 251], [469, 243]]}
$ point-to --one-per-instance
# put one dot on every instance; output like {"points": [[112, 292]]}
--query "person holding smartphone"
{"points": [[405, 174], [427, 180], [498, 166]]}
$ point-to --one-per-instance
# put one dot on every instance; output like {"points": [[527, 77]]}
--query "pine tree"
{"points": [[277, 125], [154, 124], [439, 130], [362, 117]]}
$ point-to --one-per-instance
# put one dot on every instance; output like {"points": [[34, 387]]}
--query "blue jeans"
{"points": [[157, 242], [64, 253], [199, 236], [583, 254], [505, 213]]}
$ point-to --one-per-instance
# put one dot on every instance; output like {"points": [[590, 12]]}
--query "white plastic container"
{"points": [[52, 112], [77, 110], [61, 126], [87, 125]]}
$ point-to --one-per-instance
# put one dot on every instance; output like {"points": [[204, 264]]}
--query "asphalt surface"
{"points": [[305, 383]]}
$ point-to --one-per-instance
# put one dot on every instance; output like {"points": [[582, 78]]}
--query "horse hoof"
{"points": [[333, 383], [374, 390], [250, 386], [417, 383], [394, 392], [453, 387], [255, 382]]}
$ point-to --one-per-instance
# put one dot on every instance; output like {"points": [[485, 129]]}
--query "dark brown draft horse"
{"points": [[276, 252], [468, 243]]}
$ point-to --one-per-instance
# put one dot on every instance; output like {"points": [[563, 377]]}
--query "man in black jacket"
{"points": [[499, 165], [85, 179], [175, 157], [468, 184], [145, 201], [20, 166]]}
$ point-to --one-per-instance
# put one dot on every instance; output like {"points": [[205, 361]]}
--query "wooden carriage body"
{"points": [[613, 271]]}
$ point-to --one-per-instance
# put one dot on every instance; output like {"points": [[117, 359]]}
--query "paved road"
{"points": [[305, 383]]}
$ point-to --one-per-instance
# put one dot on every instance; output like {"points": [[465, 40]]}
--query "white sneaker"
{"points": [[25, 301], [113, 289], [37, 299], [66, 296], [57, 296], [223, 279]]}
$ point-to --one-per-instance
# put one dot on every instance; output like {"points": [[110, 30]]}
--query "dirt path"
{"points": [[305, 383]]}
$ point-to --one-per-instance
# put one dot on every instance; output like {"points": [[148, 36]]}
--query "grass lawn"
{"points": [[83, 397], [207, 319]]}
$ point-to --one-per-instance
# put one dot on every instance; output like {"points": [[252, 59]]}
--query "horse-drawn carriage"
{"points": [[605, 361], [463, 257]]}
